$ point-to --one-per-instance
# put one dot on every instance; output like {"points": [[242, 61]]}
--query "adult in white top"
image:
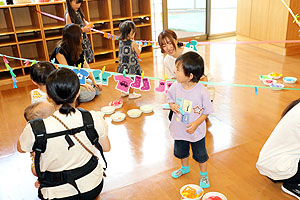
{"points": [[279, 157], [170, 46], [63, 90], [172, 49]]}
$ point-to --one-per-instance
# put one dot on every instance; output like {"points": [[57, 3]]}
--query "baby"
{"points": [[40, 109]]}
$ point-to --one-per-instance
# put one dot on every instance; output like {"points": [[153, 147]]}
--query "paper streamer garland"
{"points": [[13, 76], [123, 83], [82, 75], [108, 35], [106, 75]]}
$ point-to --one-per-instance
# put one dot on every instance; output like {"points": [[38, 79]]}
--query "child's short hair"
{"points": [[171, 36], [35, 111], [40, 71], [125, 28], [192, 63]]}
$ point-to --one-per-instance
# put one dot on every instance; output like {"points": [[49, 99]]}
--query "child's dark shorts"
{"points": [[182, 150]]}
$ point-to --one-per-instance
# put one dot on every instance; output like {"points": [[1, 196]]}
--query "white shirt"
{"points": [[57, 157], [170, 67], [279, 157], [38, 95]]}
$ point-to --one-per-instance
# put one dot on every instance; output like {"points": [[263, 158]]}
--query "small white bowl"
{"points": [[117, 103], [134, 113], [263, 77], [277, 86], [269, 81], [275, 75], [147, 108], [198, 189], [289, 80], [118, 117], [108, 110], [214, 194]]}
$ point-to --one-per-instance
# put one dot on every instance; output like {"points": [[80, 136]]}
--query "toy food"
{"points": [[214, 198], [118, 117], [277, 86], [117, 103], [289, 79], [190, 193], [269, 81], [275, 75]]}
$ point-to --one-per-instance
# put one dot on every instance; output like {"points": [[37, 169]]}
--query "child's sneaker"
{"points": [[134, 96], [124, 94], [180, 172], [204, 182], [290, 189]]}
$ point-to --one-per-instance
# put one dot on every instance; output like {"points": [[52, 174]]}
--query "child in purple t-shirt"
{"points": [[190, 102]]}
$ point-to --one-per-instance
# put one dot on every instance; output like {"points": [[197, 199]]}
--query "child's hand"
{"points": [[86, 29], [191, 127], [174, 107], [89, 87], [37, 184], [98, 86]]}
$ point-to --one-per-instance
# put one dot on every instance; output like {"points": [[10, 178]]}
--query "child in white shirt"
{"points": [[38, 74]]}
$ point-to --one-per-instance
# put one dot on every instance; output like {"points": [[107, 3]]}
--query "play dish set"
{"points": [[276, 86], [271, 80], [289, 80], [119, 116], [195, 192], [134, 113], [214, 196], [191, 191], [146, 108], [108, 110]]}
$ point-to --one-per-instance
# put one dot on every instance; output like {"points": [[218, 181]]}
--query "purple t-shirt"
{"points": [[193, 104]]}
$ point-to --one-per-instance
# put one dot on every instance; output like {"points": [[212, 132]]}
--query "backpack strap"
{"points": [[91, 132], [40, 143]]}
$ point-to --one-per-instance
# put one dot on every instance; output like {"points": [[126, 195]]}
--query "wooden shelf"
{"points": [[33, 51], [25, 18], [53, 33], [98, 10], [54, 26], [24, 33], [56, 9], [7, 40], [51, 44], [29, 37], [120, 9], [139, 7], [6, 26]]}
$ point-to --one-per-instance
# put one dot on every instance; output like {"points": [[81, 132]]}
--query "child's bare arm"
{"points": [[191, 127], [136, 48]]}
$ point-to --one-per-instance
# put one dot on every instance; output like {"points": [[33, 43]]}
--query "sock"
{"points": [[203, 173], [185, 169]]}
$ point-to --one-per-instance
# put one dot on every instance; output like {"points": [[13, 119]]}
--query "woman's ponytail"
{"points": [[66, 108], [63, 87]]}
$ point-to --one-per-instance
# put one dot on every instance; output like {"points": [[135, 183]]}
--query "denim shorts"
{"points": [[182, 150]]}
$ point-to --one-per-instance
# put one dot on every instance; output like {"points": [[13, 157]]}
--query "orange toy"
{"points": [[190, 193]]}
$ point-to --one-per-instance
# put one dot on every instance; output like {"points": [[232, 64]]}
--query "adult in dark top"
{"points": [[69, 52], [75, 15]]}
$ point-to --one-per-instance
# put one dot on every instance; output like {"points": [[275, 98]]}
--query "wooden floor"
{"points": [[141, 159]]}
